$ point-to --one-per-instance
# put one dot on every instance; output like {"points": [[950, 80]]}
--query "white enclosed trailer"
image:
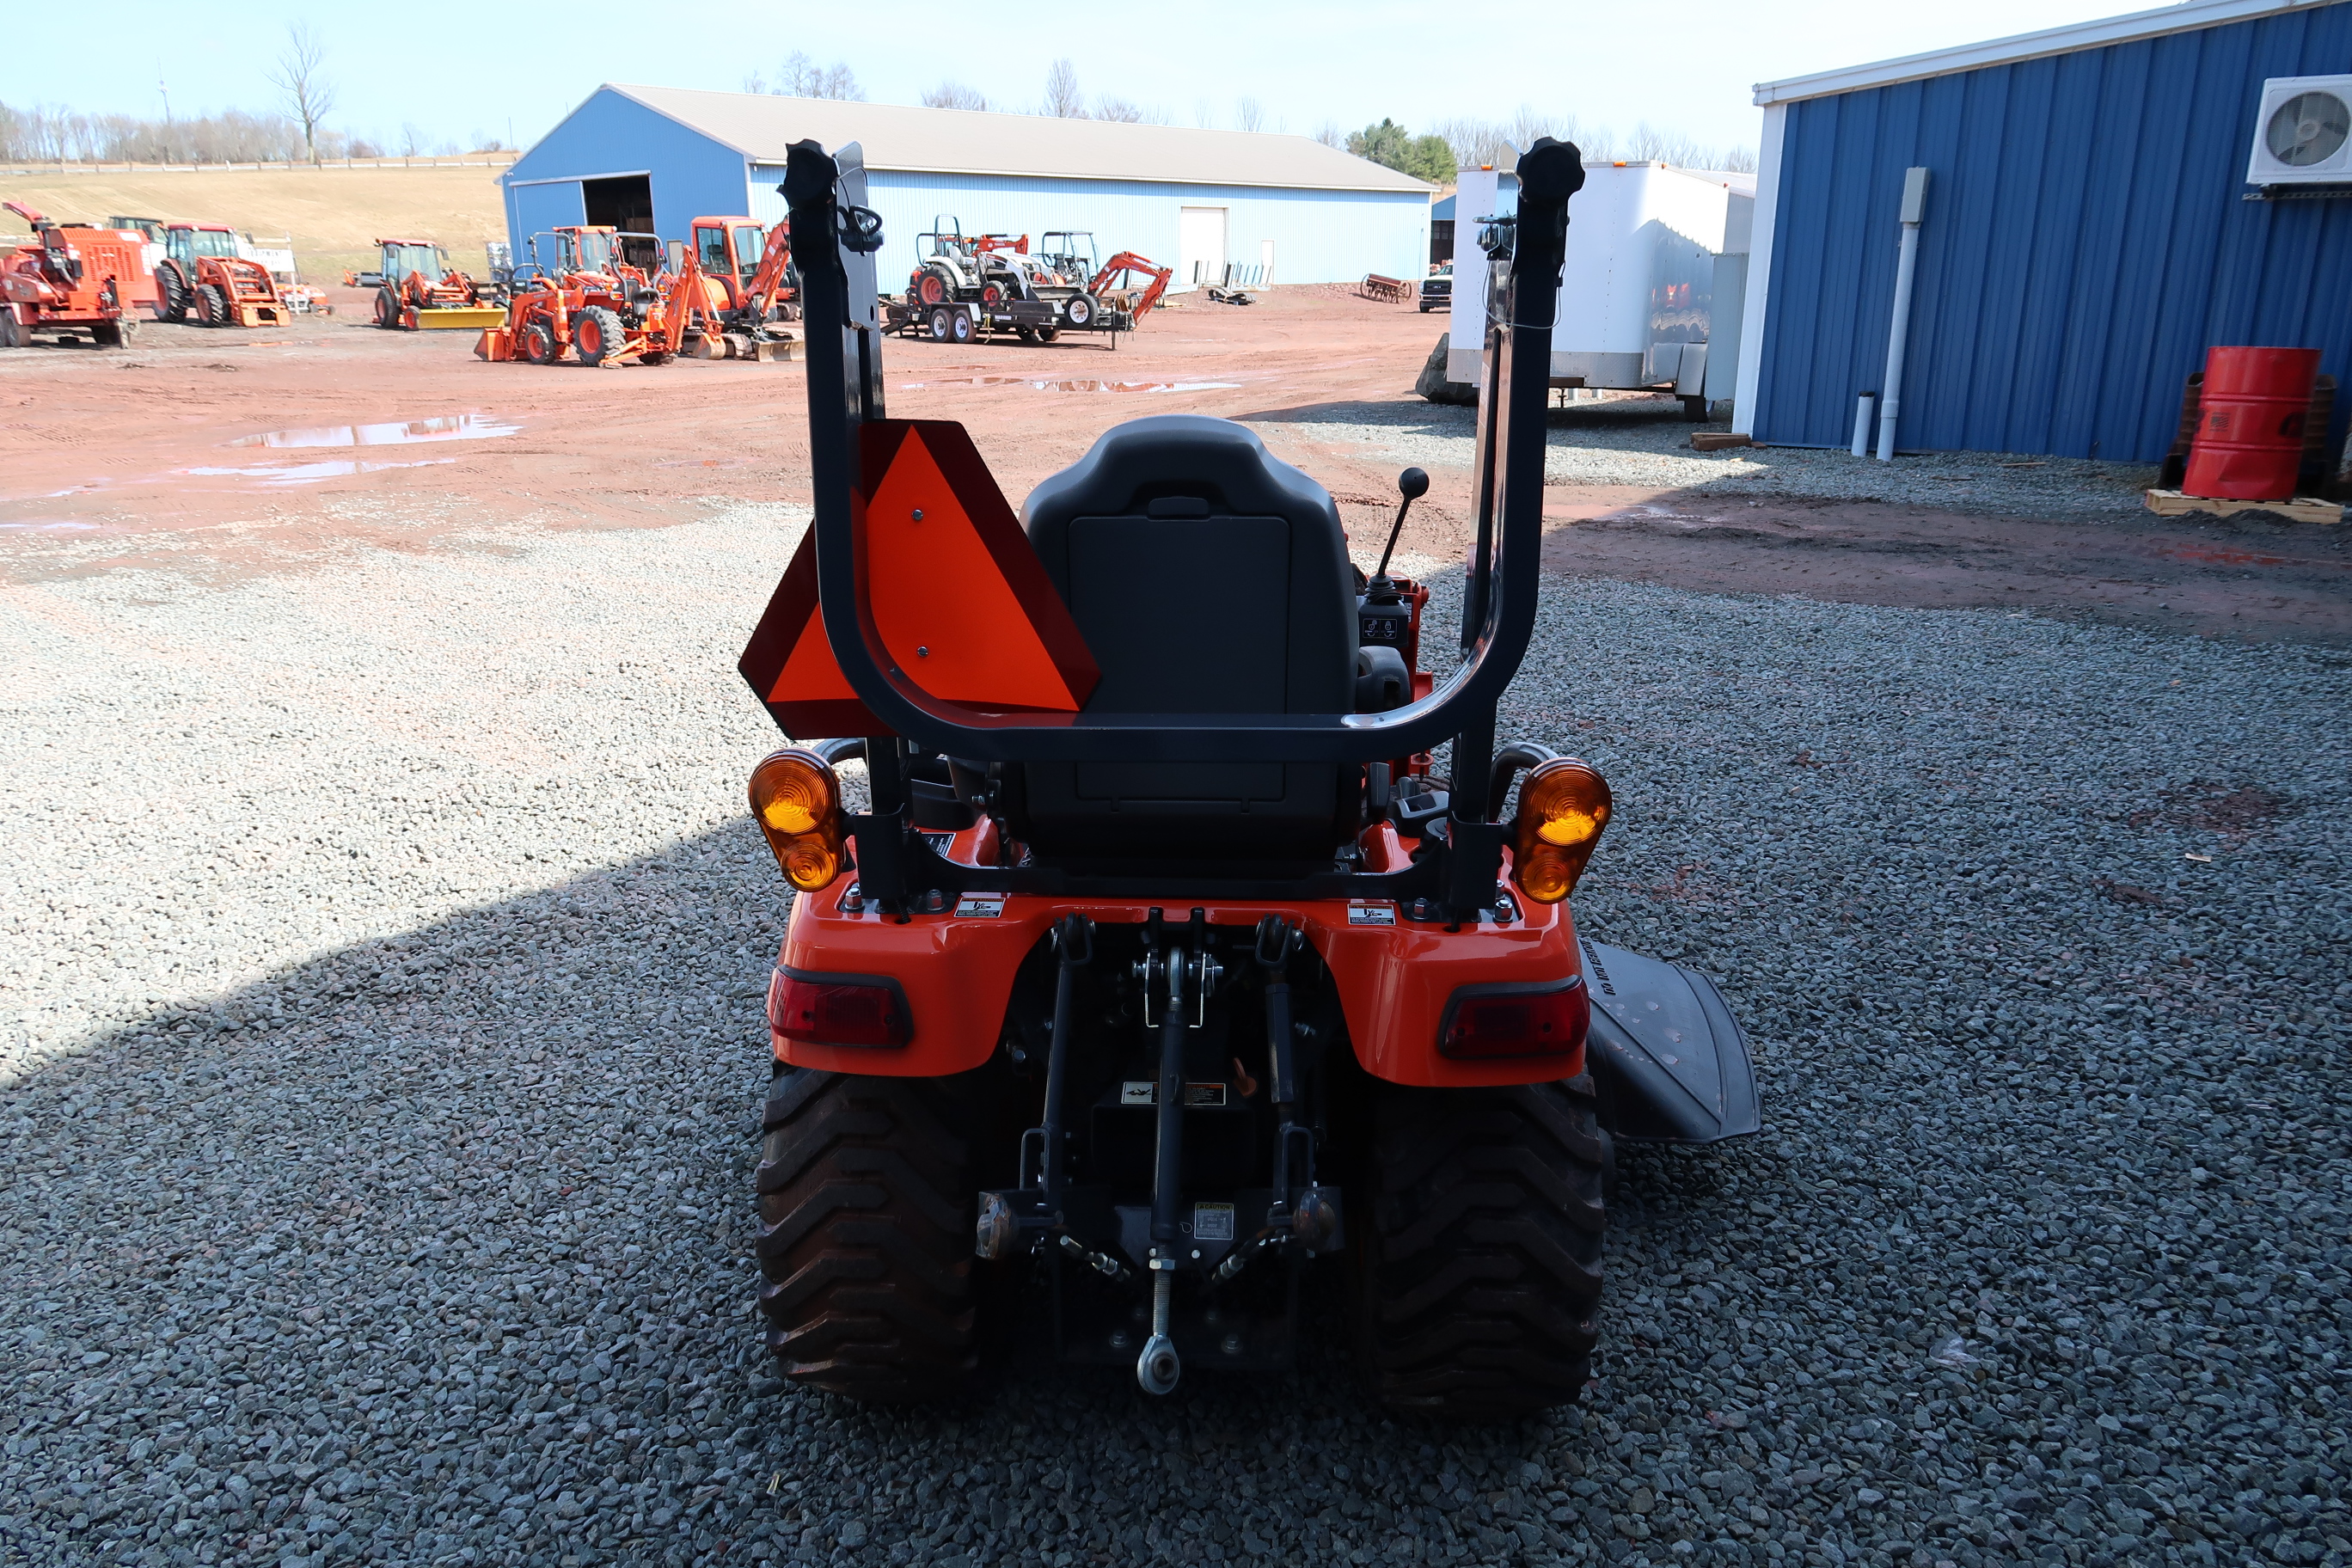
{"points": [[1639, 293]]}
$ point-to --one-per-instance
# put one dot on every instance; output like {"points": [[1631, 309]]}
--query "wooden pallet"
{"points": [[2302, 509]]}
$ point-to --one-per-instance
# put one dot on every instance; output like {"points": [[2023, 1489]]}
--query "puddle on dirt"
{"points": [[1038, 384], [310, 473], [445, 428]]}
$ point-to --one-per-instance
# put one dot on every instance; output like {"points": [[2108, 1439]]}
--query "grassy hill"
{"points": [[335, 215]]}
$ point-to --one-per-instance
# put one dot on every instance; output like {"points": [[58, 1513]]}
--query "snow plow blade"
{"points": [[1668, 1059], [471, 318]]}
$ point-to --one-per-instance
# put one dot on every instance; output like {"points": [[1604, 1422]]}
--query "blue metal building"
{"points": [[653, 159], [2087, 234]]}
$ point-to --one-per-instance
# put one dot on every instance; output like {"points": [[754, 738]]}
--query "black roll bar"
{"points": [[844, 387]]}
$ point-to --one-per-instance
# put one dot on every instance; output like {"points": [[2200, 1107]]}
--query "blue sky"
{"points": [[1686, 65]]}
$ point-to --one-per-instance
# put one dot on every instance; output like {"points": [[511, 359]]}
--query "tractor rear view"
{"points": [[71, 280], [203, 276], [1167, 966], [421, 291]]}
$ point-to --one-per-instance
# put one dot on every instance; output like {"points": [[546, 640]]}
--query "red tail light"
{"points": [[1486, 1023], [838, 1009]]}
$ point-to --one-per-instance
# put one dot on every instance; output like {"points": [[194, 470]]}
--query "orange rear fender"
{"points": [[955, 967]]}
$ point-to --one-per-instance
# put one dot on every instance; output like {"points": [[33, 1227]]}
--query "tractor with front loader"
{"points": [[1166, 963], [419, 291], [590, 299], [202, 274], [72, 281]]}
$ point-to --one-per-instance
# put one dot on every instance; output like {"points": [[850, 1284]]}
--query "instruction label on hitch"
{"points": [[979, 906], [1145, 1092], [1212, 1222], [1371, 914]]}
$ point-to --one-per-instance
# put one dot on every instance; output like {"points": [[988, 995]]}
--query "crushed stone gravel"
{"points": [[1644, 441], [384, 1054]]}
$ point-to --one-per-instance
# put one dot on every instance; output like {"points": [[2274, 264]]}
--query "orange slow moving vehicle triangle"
{"points": [[962, 605]]}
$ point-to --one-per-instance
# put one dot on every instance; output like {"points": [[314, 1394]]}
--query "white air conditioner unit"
{"points": [[2304, 134]]}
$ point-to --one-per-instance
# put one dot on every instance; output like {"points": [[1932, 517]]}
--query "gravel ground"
{"points": [[385, 1050], [1644, 441]]}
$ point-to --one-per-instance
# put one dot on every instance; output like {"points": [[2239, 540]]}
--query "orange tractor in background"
{"points": [[591, 304], [421, 291], [71, 278], [202, 274], [729, 286]]}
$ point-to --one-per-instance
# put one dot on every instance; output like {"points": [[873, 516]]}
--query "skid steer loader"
{"points": [[1164, 965]]}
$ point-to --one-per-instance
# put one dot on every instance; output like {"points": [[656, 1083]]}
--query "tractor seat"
{"points": [[1207, 576]]}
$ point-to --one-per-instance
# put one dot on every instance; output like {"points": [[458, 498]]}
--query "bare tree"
{"points": [[954, 95], [1331, 135], [300, 76], [1249, 114], [412, 139], [1204, 113], [1118, 109], [801, 77], [1062, 98]]}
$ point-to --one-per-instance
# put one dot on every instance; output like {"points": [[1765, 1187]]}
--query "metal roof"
{"points": [[2182, 18], [762, 126]]}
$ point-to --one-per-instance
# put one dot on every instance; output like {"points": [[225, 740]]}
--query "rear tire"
{"points": [[12, 336], [597, 334], [1481, 1259], [387, 308], [866, 1205], [171, 294]]}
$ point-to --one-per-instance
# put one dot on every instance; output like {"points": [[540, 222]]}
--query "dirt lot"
{"points": [[114, 459]]}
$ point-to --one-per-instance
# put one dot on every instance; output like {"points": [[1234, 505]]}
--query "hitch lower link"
{"points": [[1179, 973]]}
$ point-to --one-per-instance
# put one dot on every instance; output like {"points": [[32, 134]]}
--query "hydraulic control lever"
{"points": [[1382, 617]]}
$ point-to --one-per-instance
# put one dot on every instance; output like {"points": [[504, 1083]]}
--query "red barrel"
{"points": [[2249, 441]]}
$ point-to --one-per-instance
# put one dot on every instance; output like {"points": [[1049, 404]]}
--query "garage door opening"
{"points": [[625, 202]]}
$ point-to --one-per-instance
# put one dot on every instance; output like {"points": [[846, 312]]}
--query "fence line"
{"points": [[295, 165]]}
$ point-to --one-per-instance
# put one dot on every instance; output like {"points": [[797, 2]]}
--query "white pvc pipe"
{"points": [[1863, 408], [1890, 404]]}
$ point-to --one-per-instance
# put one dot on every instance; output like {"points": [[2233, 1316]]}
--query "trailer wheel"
{"points": [[538, 343], [1079, 309], [941, 323], [1047, 334], [387, 308], [960, 325], [1480, 1268], [212, 305], [865, 1189], [597, 336]]}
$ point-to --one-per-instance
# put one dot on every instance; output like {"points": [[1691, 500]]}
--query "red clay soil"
{"points": [[111, 460]]}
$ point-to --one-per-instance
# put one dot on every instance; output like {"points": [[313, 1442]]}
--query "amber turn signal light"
{"points": [[797, 803], [1563, 806]]}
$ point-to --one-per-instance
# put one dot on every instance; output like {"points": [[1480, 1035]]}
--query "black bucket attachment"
{"points": [[1667, 1058]]}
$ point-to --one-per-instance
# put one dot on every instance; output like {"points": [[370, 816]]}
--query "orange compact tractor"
{"points": [[71, 279], [1163, 966], [202, 274], [420, 290], [585, 301], [729, 285]]}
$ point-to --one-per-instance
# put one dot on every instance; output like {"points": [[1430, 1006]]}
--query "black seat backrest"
{"points": [[1206, 576]]}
